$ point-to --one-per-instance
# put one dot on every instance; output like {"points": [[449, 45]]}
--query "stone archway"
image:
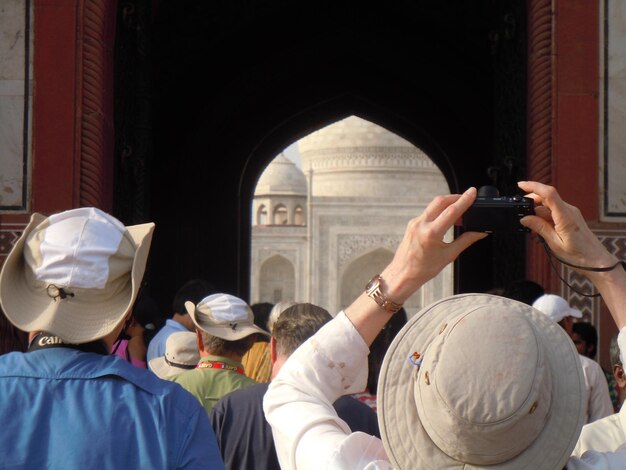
{"points": [[277, 280]]}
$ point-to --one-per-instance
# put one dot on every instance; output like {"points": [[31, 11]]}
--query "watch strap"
{"points": [[376, 293]]}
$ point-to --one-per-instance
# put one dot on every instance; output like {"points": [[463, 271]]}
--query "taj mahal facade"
{"points": [[321, 231]]}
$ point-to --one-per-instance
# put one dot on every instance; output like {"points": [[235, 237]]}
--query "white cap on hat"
{"points": [[556, 307], [181, 354], [225, 316]]}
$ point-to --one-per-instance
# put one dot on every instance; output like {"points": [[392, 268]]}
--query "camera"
{"points": [[494, 213]]}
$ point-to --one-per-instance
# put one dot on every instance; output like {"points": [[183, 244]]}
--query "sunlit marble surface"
{"points": [[14, 121], [613, 142]]}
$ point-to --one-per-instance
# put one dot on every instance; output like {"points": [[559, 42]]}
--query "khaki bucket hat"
{"points": [[225, 316], [181, 354], [480, 381], [75, 274]]}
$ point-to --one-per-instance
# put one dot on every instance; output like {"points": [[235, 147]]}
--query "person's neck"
{"points": [[204, 356], [278, 363], [185, 320]]}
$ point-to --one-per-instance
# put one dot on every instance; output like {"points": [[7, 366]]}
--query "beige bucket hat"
{"points": [[225, 316], [75, 274], [181, 354], [480, 381]]}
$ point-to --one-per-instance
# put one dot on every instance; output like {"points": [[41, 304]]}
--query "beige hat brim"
{"points": [[29, 307], [405, 439], [162, 369]]}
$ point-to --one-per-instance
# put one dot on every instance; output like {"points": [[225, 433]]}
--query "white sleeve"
{"points": [[621, 342], [600, 405], [592, 460], [307, 432]]}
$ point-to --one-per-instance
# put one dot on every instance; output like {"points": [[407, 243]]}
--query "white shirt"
{"points": [[599, 403], [605, 435], [308, 434]]}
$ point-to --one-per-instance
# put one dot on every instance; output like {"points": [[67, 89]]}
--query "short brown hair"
{"points": [[221, 347], [297, 324]]}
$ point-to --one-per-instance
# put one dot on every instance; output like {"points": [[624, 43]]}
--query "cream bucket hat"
{"points": [[75, 274], [480, 381], [181, 354], [225, 316]]}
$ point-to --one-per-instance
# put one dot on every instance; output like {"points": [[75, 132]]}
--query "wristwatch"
{"points": [[373, 290]]}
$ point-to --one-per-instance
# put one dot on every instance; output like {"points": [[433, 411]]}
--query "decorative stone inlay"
{"points": [[94, 118], [8, 237], [352, 246], [15, 103], [613, 83], [615, 242], [366, 157]]}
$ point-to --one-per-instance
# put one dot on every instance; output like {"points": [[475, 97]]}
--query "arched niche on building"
{"points": [[277, 280], [357, 273], [298, 216], [281, 215], [261, 215]]}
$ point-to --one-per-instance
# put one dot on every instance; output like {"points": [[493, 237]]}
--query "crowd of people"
{"points": [[91, 377]]}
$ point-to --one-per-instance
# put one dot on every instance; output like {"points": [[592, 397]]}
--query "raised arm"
{"points": [[567, 234], [422, 254]]}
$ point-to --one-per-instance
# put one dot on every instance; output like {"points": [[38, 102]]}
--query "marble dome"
{"points": [[351, 132], [356, 158], [281, 177]]}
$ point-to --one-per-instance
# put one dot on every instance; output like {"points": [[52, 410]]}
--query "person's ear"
{"points": [[273, 349], [620, 377], [187, 322], [200, 342]]}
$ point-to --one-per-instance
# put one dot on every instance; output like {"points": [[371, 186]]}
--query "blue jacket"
{"points": [[63, 408]]}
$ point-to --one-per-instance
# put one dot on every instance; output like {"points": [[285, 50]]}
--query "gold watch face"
{"points": [[373, 283]]}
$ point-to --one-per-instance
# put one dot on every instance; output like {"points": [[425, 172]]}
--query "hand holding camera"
{"points": [[493, 213]]}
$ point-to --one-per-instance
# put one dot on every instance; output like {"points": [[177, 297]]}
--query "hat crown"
{"points": [[74, 274], [225, 316], [482, 401], [181, 347], [497, 385], [80, 248], [224, 309]]}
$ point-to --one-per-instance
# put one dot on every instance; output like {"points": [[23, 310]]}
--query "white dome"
{"points": [[357, 158], [351, 132], [281, 177]]}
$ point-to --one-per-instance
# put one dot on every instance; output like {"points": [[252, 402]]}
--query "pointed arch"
{"points": [[356, 274], [277, 280]]}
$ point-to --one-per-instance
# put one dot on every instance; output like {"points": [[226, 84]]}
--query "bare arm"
{"points": [[422, 254], [567, 234]]}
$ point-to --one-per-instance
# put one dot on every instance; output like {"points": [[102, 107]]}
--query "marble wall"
{"points": [[15, 106], [613, 137]]}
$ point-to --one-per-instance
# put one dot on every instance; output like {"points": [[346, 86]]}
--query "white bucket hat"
{"points": [[225, 316], [480, 381], [181, 354], [74, 274], [556, 307]]}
